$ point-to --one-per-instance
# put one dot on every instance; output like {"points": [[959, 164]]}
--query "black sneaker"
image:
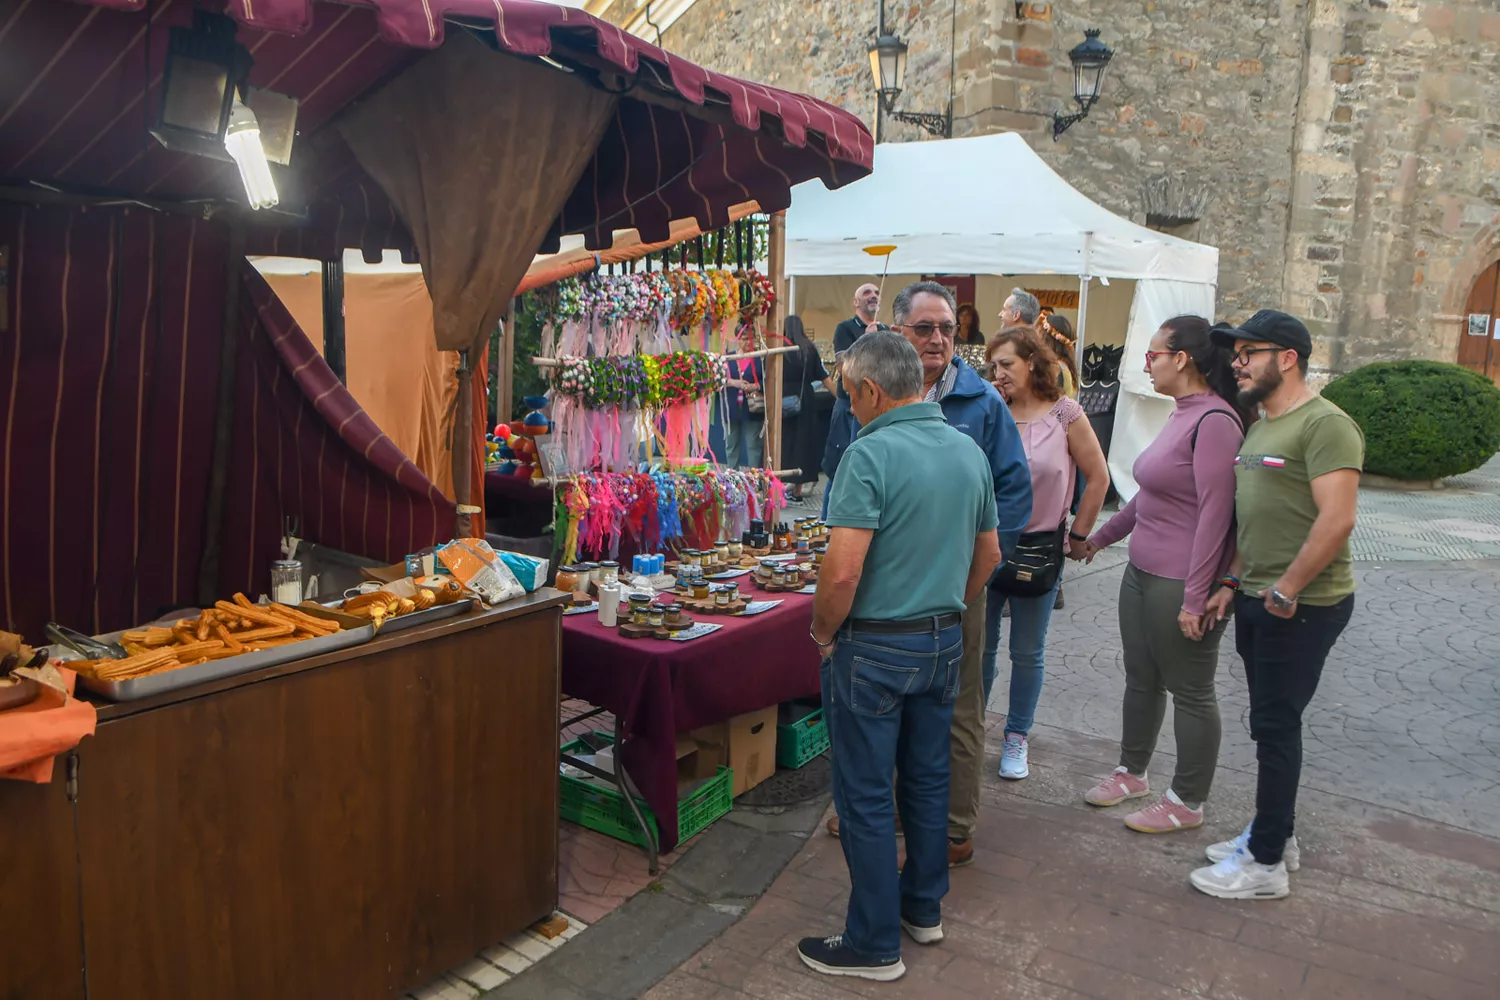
{"points": [[923, 935], [830, 957]]}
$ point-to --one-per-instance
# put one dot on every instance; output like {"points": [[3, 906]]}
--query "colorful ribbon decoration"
{"points": [[661, 507]]}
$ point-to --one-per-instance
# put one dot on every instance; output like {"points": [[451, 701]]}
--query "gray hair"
{"points": [[1027, 307], [901, 307], [888, 360]]}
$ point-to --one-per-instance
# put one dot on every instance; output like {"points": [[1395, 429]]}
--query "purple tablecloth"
{"points": [[657, 688]]}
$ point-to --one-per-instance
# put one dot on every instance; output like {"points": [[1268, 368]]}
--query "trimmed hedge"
{"points": [[1421, 419]]}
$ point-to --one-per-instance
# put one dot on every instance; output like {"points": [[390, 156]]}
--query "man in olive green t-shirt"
{"points": [[1292, 583]]}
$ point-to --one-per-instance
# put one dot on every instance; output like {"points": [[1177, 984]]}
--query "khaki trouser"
{"points": [[966, 746]]}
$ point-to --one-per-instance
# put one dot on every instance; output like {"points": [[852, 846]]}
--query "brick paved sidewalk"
{"points": [[1064, 902]]}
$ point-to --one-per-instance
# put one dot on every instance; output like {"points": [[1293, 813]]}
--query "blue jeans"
{"points": [[1029, 618], [888, 700]]}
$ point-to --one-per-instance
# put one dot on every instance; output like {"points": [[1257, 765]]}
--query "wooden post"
{"points": [[776, 261]]}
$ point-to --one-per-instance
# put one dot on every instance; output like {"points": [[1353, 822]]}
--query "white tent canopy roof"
{"points": [[982, 205]]}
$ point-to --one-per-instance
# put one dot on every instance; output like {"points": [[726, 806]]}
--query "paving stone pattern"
{"points": [[1063, 903]]}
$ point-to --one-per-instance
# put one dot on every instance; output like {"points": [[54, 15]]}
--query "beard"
{"points": [[1262, 386]]}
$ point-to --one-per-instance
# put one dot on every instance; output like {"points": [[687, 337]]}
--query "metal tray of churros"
{"points": [[395, 623], [354, 631]]}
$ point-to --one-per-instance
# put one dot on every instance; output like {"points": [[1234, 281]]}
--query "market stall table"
{"points": [[350, 824], [656, 688]]}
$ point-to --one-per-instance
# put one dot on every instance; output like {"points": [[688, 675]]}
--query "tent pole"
{"points": [[218, 474], [463, 441], [776, 262], [333, 318], [1084, 280]]}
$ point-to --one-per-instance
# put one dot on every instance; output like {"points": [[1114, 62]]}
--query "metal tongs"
{"points": [[84, 646]]}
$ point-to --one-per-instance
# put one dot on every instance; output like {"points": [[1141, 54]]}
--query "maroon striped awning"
{"points": [[80, 83]]}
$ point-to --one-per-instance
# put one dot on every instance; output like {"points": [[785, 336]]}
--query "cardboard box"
{"points": [[752, 748], [699, 755]]}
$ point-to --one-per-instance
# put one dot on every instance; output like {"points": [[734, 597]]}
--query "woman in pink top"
{"points": [[1058, 445], [1181, 528]]}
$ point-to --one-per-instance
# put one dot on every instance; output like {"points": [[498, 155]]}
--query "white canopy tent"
{"points": [[988, 205]]}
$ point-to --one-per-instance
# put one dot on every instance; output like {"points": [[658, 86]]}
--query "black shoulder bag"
{"points": [[1032, 569]]}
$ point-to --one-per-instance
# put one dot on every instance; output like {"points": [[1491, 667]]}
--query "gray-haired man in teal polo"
{"points": [[913, 541]]}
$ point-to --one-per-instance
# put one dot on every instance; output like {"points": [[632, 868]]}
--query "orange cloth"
{"points": [[32, 735], [393, 369]]}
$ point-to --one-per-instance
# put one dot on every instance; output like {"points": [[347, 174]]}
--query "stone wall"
{"points": [[1349, 148]]}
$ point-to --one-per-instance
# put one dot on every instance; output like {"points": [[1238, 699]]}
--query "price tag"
{"points": [[695, 631], [756, 607], [729, 574]]}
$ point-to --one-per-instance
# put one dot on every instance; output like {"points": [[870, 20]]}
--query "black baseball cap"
{"points": [[1269, 325]]}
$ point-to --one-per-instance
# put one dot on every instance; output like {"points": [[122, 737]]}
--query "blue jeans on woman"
{"points": [[1029, 618], [888, 700]]}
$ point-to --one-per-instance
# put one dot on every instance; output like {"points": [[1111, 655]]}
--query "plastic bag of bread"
{"points": [[474, 564]]}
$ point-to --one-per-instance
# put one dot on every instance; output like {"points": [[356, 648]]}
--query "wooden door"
{"points": [[1479, 336]]}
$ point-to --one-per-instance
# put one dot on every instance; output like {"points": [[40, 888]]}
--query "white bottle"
{"points": [[609, 605]]}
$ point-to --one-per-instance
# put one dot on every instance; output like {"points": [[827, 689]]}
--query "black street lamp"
{"points": [[887, 52]]}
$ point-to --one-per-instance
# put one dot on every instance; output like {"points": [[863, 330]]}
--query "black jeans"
{"points": [[1283, 663]]}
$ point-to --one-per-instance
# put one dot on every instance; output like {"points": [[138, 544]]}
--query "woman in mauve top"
{"points": [[1058, 442], [1181, 528]]}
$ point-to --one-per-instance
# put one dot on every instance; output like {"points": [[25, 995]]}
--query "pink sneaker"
{"points": [[1166, 815], [1116, 788]]}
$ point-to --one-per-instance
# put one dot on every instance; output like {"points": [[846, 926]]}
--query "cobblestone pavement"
{"points": [[1063, 903]]}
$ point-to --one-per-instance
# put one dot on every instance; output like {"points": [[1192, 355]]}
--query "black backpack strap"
{"points": [[1193, 446]]}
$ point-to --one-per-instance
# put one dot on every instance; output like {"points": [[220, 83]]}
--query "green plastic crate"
{"points": [[802, 740], [602, 807]]}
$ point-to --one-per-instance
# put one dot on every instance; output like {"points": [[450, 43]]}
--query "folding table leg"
{"points": [[627, 789]]}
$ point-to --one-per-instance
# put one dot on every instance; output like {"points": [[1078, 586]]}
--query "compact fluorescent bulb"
{"points": [[242, 140]]}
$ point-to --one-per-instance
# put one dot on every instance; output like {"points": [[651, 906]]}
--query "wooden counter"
{"points": [[350, 825]]}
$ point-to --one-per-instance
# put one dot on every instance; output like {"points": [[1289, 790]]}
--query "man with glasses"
{"points": [[866, 308], [925, 313], [1292, 581]]}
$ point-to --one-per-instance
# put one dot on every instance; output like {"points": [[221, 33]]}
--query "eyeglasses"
{"points": [[1151, 356], [1242, 356], [925, 330]]}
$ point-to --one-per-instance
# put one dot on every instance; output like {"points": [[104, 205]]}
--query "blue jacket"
{"points": [[975, 407]]}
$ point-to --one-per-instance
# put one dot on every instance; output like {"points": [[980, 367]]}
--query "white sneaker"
{"points": [[1013, 759], [1290, 855], [923, 935], [1240, 876]]}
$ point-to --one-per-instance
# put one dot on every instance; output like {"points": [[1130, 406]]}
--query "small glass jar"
{"points": [[778, 578], [817, 556], [721, 598], [592, 571], [657, 617], [609, 573], [567, 579], [721, 551], [736, 550], [803, 545], [286, 582], [733, 590], [690, 557], [674, 614], [640, 607], [766, 571], [700, 588]]}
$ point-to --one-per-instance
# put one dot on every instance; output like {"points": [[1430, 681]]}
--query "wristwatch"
{"points": [[1282, 601]]}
